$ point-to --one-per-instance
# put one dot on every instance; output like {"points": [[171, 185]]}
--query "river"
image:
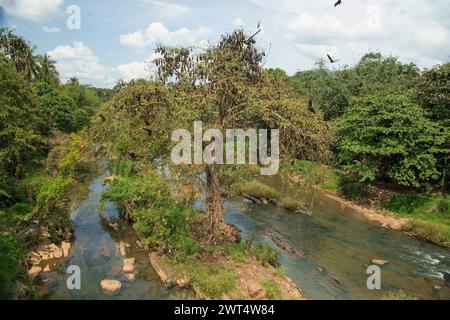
{"points": [[336, 240]]}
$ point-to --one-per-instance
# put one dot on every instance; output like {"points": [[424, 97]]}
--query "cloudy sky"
{"points": [[116, 38]]}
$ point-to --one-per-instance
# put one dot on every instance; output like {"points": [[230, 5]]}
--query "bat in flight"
{"points": [[331, 59]]}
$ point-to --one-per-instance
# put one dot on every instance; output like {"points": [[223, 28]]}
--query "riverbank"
{"points": [[38, 225], [424, 216]]}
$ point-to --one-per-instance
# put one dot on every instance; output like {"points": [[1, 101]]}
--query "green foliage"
{"points": [[273, 290], [124, 168], [262, 252], [314, 174], [430, 215], [391, 136], [431, 231], [160, 220], [20, 121], [10, 254], [51, 193], [259, 190], [432, 92], [213, 280], [351, 189], [332, 90]]}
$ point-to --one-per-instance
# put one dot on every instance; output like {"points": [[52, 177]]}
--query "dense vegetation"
{"points": [[392, 120], [37, 115]]}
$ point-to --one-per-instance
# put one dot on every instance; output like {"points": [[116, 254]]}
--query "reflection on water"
{"points": [[342, 244], [96, 251]]}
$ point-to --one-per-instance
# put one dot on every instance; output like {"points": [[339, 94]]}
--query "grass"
{"points": [[241, 252], [273, 290], [212, 280], [259, 190], [399, 295], [314, 174], [430, 215]]}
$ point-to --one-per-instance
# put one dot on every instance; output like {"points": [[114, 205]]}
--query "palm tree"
{"points": [[30, 63], [47, 70], [74, 81]]}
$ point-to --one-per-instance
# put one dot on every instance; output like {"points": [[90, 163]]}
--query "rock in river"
{"points": [[111, 285], [34, 271], [379, 262], [128, 265]]}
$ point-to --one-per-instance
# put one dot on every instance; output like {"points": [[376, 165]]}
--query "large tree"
{"points": [[225, 87], [389, 136]]}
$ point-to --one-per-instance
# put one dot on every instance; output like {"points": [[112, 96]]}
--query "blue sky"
{"points": [[117, 37]]}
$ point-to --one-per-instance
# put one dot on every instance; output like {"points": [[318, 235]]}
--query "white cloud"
{"points": [[167, 8], [157, 33], [34, 10], [52, 29], [138, 70], [79, 61], [416, 31]]}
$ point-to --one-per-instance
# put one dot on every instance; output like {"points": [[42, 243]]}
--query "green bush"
{"points": [[51, 193], [10, 253], [159, 219], [264, 253]]}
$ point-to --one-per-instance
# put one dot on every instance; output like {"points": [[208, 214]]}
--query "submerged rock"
{"points": [[130, 276], [111, 285], [128, 265], [379, 262]]}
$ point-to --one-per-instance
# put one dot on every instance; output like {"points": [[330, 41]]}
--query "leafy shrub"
{"points": [[160, 220], [10, 253], [51, 193]]}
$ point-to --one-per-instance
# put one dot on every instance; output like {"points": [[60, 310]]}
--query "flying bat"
{"points": [[331, 59]]}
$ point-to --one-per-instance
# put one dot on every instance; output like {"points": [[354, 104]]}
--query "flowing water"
{"points": [[96, 251], [337, 240], [342, 244]]}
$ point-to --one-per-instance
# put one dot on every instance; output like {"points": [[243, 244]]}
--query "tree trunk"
{"points": [[219, 231]]}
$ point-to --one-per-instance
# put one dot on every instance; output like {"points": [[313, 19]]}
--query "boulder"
{"points": [[34, 271], [111, 285], [128, 265], [35, 258], [122, 249], [65, 246]]}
